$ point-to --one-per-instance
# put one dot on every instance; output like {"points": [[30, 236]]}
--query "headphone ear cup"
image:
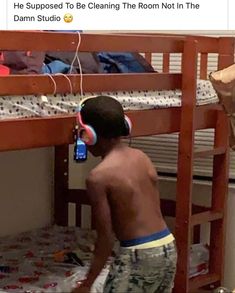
{"points": [[128, 126], [90, 135]]}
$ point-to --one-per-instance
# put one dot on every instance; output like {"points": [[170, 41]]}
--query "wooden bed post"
{"points": [[226, 52], [219, 198], [61, 185], [185, 165], [148, 57]]}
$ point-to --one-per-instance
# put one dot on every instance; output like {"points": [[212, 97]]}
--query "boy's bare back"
{"points": [[129, 181]]}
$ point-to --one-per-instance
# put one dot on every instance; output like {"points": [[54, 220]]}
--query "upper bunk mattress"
{"points": [[38, 106]]}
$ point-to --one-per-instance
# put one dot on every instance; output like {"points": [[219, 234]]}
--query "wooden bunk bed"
{"points": [[58, 130]]}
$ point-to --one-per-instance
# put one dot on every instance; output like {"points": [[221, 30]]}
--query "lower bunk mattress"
{"points": [[52, 259], [12, 107], [55, 259]]}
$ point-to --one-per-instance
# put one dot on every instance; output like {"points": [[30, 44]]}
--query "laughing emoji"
{"points": [[68, 18]]}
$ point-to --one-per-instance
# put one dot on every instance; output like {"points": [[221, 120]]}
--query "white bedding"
{"points": [[28, 263], [34, 106]]}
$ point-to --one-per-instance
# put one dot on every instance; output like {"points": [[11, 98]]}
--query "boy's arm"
{"points": [[103, 223]]}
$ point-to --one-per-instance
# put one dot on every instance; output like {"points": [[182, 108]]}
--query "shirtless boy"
{"points": [[124, 195]]}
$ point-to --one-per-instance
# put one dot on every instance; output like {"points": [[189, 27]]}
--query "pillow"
{"points": [[223, 82]]}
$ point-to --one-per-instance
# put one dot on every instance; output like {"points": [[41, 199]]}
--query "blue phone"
{"points": [[80, 151]]}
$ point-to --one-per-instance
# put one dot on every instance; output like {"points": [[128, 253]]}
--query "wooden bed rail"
{"points": [[58, 130], [206, 44], [147, 43], [46, 41], [42, 84], [57, 41], [122, 42]]}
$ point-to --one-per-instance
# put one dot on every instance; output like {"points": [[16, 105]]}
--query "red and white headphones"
{"points": [[88, 131]]}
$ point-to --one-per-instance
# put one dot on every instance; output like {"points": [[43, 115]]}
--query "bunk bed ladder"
{"points": [[219, 197], [216, 215], [185, 165]]}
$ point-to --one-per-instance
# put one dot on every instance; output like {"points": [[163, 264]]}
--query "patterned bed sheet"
{"points": [[38, 106], [32, 262]]}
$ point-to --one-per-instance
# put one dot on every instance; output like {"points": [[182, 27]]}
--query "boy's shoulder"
{"points": [[97, 174], [111, 165], [139, 155]]}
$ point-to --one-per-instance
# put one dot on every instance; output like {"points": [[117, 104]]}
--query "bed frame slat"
{"points": [[206, 44], [42, 132], [61, 185], [166, 62], [51, 41], [42, 84], [203, 66]]}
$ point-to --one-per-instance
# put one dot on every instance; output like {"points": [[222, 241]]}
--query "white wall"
{"points": [[26, 186]]}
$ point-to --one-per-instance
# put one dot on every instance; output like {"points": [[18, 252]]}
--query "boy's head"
{"points": [[106, 116]]}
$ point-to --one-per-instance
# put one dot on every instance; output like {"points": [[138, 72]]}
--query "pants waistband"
{"points": [[152, 244], [148, 253], [145, 239]]}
